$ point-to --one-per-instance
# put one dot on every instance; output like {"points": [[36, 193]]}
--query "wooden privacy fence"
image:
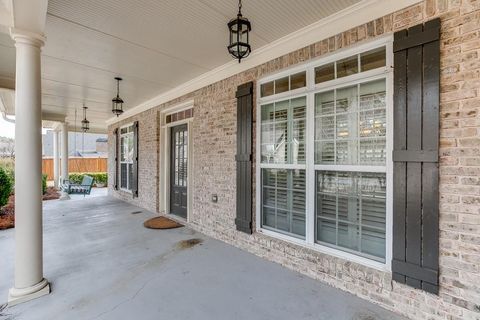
{"points": [[76, 165]]}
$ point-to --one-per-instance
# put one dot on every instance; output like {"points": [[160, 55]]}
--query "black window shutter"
{"points": [[116, 142], [415, 156], [134, 182], [243, 158]]}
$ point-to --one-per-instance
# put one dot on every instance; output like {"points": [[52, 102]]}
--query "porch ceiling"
{"points": [[154, 45]]}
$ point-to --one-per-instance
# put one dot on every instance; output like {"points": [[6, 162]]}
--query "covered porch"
{"points": [[343, 147], [103, 264]]}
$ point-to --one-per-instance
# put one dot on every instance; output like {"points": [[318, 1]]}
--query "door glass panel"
{"points": [[179, 174]]}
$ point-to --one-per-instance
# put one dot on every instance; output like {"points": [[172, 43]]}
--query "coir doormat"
{"points": [[161, 223]]}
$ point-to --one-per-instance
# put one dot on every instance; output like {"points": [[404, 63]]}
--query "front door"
{"points": [[178, 170]]}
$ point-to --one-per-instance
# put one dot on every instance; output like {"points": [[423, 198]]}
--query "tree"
{"points": [[7, 147]]}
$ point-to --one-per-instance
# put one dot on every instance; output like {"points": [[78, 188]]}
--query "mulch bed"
{"points": [[7, 212], [51, 194]]}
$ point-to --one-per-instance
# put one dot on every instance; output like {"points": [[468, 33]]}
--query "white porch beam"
{"points": [[53, 117], [6, 15], [93, 129], [30, 15], [29, 280], [7, 83]]}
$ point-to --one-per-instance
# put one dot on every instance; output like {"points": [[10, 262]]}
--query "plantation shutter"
{"points": [[134, 182], [415, 156], [116, 141], [243, 158]]}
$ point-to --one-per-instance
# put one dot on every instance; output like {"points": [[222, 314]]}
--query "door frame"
{"points": [[164, 159]]}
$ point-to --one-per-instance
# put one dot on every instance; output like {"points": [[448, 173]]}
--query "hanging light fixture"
{"points": [[239, 28], [85, 122], [117, 102]]}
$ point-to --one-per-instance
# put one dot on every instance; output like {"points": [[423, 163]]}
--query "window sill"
{"points": [[384, 267]]}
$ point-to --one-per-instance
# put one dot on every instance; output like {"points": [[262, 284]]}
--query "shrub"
{"points": [[8, 165], [5, 187], [11, 176], [44, 183], [98, 177], [75, 177], [101, 177]]}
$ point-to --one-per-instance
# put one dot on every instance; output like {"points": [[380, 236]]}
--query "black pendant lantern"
{"points": [[239, 28], [117, 102], [85, 122]]}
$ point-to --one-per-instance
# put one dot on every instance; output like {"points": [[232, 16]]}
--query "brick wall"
{"points": [[214, 129], [147, 161]]}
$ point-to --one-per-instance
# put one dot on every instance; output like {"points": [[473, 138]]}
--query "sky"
{"points": [[7, 129]]}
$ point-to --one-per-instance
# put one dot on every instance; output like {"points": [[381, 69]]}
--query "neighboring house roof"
{"points": [[77, 142], [92, 154]]}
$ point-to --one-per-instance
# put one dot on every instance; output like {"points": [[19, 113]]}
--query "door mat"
{"points": [[161, 223]]}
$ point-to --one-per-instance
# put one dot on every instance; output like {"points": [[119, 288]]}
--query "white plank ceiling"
{"points": [[154, 45]]}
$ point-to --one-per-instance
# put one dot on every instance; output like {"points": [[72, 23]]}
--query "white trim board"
{"points": [[353, 16]]}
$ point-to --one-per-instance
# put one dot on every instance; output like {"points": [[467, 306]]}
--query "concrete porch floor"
{"points": [[103, 264]]}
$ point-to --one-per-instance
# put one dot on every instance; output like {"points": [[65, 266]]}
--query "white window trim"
{"points": [[309, 91], [120, 160]]}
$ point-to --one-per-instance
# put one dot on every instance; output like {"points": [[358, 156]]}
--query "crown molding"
{"points": [[353, 16]]}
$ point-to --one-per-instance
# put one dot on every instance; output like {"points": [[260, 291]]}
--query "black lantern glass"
{"points": [[239, 28], [85, 122], [117, 102]]}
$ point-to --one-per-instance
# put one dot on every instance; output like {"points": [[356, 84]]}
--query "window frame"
{"points": [[130, 133], [310, 167]]}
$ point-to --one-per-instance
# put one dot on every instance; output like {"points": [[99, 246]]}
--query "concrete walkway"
{"points": [[103, 264]]}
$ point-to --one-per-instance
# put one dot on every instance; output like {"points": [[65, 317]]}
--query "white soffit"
{"points": [[352, 16], [6, 15]]}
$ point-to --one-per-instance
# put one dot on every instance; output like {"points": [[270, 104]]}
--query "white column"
{"points": [[64, 195], [56, 159], [64, 152], [29, 281]]}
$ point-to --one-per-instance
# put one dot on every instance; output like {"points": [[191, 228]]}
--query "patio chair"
{"points": [[83, 188]]}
